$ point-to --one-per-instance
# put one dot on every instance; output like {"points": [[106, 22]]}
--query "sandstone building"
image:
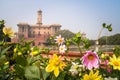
{"points": [[37, 32]]}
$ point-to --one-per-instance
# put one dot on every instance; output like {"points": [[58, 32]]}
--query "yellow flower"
{"points": [[15, 50], [92, 76], [19, 53], [115, 62], [6, 63], [8, 31], [104, 55], [55, 64], [35, 51]]}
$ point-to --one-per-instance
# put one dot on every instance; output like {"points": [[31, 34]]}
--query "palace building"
{"points": [[37, 32]]}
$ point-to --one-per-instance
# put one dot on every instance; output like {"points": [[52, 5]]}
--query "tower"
{"points": [[39, 17]]}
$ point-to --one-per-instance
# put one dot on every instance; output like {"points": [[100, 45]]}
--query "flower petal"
{"points": [[49, 68], [56, 71]]}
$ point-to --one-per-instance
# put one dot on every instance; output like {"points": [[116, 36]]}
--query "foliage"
{"points": [[21, 61], [110, 40], [1, 27], [65, 33]]}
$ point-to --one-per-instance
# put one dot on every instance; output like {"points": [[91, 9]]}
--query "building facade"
{"points": [[37, 32]]}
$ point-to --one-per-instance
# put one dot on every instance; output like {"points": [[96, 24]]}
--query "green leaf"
{"points": [[21, 60], [19, 70], [32, 73], [4, 51], [3, 59], [45, 74]]}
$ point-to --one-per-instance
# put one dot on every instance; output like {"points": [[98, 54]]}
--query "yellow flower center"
{"points": [[57, 63], [60, 40], [116, 63], [91, 57], [61, 48]]}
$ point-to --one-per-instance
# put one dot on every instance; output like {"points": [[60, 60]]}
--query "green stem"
{"points": [[80, 50], [41, 75]]}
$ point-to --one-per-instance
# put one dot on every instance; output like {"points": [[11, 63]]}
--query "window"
{"points": [[33, 33], [22, 29], [55, 29], [39, 33]]}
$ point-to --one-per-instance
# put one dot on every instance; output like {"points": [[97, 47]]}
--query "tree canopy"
{"points": [[65, 33], [110, 40]]}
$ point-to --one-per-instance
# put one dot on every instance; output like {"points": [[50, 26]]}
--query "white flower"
{"points": [[59, 39], [75, 68], [62, 48]]}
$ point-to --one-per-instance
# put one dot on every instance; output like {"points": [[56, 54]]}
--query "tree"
{"points": [[1, 28], [2, 35], [110, 40], [114, 40], [65, 33]]}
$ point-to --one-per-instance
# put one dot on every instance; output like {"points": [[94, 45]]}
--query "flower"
{"points": [[59, 39], [75, 68], [8, 31], [115, 62], [92, 76], [103, 56], [6, 63], [105, 65], [90, 60], [55, 64], [35, 51], [62, 48]]}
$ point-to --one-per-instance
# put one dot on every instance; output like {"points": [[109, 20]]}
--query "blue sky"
{"points": [[76, 15]]}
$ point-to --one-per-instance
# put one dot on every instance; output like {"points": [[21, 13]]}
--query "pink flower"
{"points": [[59, 39], [105, 65], [90, 60]]}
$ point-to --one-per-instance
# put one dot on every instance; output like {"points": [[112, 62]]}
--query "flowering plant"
{"points": [[21, 61]]}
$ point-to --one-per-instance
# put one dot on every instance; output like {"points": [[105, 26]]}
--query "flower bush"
{"points": [[21, 61]]}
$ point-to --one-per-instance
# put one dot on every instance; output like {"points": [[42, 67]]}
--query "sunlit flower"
{"points": [[6, 63], [35, 51], [90, 60], [115, 62], [62, 48], [92, 76], [55, 64], [19, 53], [104, 55], [15, 50], [75, 68], [59, 39], [8, 31]]}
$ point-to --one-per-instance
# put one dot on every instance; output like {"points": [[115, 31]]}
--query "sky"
{"points": [[75, 15]]}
